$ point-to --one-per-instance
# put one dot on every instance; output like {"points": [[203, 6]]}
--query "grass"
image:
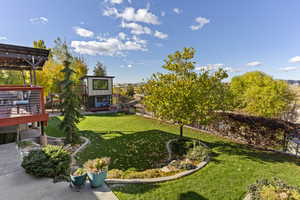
{"points": [[133, 141]]}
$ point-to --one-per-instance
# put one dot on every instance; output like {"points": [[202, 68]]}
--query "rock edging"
{"points": [[164, 178]]}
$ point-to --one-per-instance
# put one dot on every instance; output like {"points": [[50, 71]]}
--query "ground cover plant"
{"points": [[274, 189], [50, 161], [233, 167]]}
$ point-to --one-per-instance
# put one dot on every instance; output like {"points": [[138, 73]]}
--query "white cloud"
{"points": [[109, 46], [162, 13], [294, 59], [39, 20], [83, 32], [130, 65], [254, 64], [286, 69], [3, 38], [231, 70], [201, 21], [210, 67], [130, 14], [177, 11], [122, 36], [136, 29], [160, 35], [116, 1]]}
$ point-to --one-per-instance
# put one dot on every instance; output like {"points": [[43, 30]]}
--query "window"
{"points": [[100, 84]]}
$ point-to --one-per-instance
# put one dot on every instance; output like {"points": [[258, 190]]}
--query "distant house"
{"points": [[97, 92], [293, 82]]}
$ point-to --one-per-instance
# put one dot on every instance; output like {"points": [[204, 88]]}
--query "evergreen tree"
{"points": [[100, 69], [70, 101]]}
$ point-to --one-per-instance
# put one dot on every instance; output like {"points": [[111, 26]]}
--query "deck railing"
{"points": [[18, 101]]}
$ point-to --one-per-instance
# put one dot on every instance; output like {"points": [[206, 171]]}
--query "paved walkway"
{"points": [[15, 184], [9, 159]]}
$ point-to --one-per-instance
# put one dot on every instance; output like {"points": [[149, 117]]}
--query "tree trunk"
{"points": [[284, 142], [181, 130]]}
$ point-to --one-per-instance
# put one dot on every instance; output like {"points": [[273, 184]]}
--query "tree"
{"points": [[130, 90], [259, 94], [99, 69], [51, 76], [39, 44], [80, 67], [70, 100], [184, 96]]}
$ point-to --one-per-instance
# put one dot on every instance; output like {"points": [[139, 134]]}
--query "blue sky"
{"points": [[133, 37]]}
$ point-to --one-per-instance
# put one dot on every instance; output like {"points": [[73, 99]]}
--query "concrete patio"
{"points": [[15, 184]]}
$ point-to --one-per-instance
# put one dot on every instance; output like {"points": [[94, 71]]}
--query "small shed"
{"points": [[97, 92]]}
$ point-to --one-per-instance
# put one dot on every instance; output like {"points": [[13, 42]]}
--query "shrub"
{"points": [[273, 190], [185, 165], [190, 149], [79, 172], [50, 161], [198, 153], [97, 165], [115, 173]]}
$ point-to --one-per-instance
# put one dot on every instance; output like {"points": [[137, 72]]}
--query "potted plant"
{"points": [[97, 170], [78, 178]]}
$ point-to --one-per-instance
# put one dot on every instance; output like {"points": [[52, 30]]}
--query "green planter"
{"points": [[78, 180], [97, 179]]}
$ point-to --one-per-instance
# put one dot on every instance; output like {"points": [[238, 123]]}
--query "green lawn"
{"points": [[136, 142]]}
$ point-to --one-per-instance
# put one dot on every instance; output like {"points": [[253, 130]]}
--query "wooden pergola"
{"points": [[22, 58], [21, 104]]}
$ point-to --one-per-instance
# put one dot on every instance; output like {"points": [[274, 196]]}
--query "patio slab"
{"points": [[9, 159], [15, 184]]}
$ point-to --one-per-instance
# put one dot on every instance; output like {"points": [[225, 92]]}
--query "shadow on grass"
{"points": [[128, 150], [248, 152], [191, 196]]}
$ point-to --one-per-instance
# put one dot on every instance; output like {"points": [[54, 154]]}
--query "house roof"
{"points": [[13, 57], [88, 76]]}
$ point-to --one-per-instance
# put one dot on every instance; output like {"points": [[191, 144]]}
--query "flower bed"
{"points": [[192, 157], [272, 190]]}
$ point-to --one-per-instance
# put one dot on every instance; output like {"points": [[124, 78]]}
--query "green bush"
{"points": [[190, 149], [273, 190], [185, 165], [198, 153], [51, 161]]}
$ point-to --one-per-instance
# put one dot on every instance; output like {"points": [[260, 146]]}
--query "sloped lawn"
{"points": [[136, 142]]}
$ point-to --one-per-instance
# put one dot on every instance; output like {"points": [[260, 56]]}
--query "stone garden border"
{"points": [[164, 178]]}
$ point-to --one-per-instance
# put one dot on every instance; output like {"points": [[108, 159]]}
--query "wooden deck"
{"points": [[21, 104]]}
